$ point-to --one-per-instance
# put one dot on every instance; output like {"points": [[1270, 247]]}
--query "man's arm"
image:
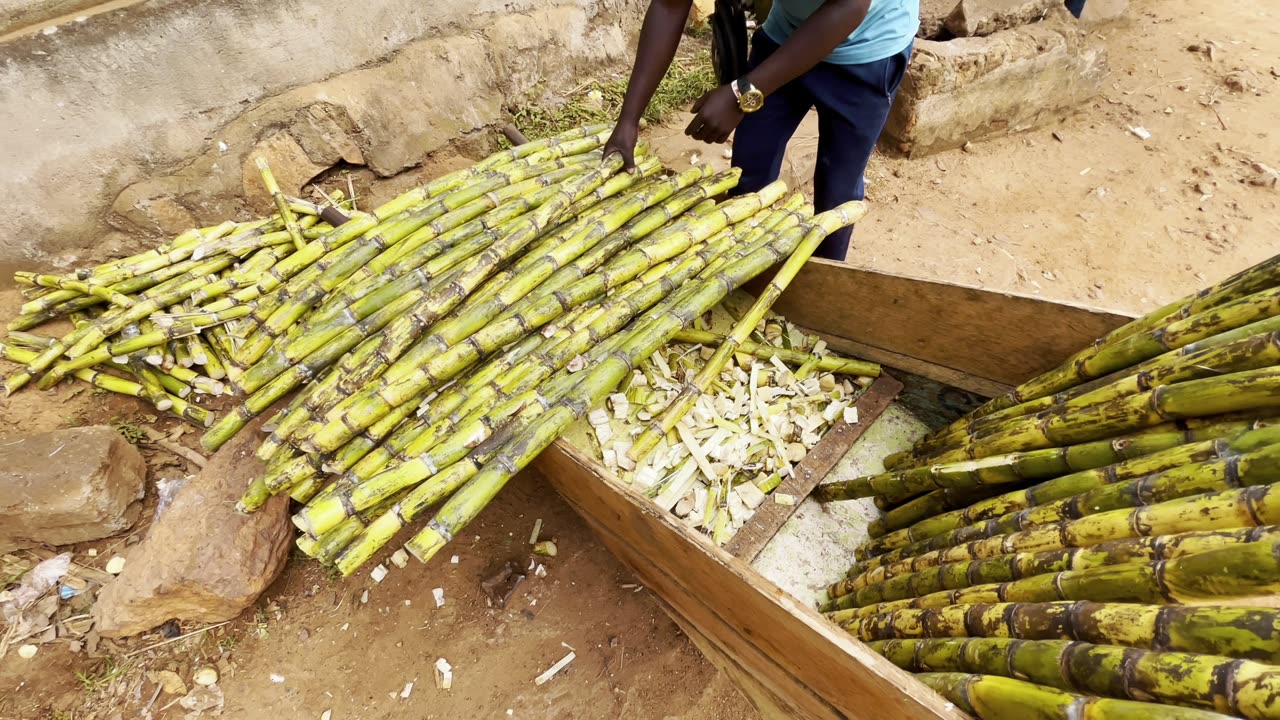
{"points": [[717, 111], [659, 37]]}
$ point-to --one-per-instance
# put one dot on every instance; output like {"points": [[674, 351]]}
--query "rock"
{"points": [[976, 18], [933, 17], [700, 13], [968, 89], [68, 486], [327, 135], [152, 210], [290, 165], [1098, 12], [201, 560]]}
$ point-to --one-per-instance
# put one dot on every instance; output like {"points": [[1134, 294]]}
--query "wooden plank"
{"points": [[778, 640], [765, 701], [760, 529], [913, 366], [1000, 337]]}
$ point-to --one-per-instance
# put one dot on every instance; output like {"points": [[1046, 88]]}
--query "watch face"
{"points": [[752, 101]]}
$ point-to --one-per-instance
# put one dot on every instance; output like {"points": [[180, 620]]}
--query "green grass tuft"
{"points": [[690, 76]]}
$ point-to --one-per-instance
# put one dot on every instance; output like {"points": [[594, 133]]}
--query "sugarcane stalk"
{"points": [[1020, 466], [1251, 633], [988, 697], [847, 594], [1212, 465], [1243, 348], [1233, 392], [1243, 688], [1259, 278], [1244, 508], [794, 358], [1253, 352], [1243, 570]]}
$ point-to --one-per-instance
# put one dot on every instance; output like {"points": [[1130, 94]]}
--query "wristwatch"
{"points": [[750, 99]]}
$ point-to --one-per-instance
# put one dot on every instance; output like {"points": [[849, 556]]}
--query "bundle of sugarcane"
{"points": [[1137, 477], [435, 345], [135, 325]]}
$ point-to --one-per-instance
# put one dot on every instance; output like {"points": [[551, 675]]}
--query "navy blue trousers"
{"points": [[853, 103], [1075, 6]]}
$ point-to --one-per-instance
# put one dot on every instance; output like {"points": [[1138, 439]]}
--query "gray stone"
{"points": [[1100, 12], [68, 486], [974, 18], [933, 17], [201, 560], [968, 89]]}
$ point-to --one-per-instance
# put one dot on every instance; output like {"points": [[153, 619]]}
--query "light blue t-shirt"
{"points": [[889, 27]]}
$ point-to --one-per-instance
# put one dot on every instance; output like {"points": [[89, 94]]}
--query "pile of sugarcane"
{"points": [[1108, 532], [742, 438], [154, 325], [434, 346]]}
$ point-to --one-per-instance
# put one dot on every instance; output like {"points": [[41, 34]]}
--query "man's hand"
{"points": [[717, 116], [623, 142]]}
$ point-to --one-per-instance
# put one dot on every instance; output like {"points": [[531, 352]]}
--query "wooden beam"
{"points": [[1000, 338], [779, 642], [769, 519]]}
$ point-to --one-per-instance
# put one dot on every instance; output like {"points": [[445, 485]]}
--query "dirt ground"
{"points": [[1084, 211]]}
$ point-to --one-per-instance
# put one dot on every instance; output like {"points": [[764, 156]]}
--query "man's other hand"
{"points": [[717, 116]]}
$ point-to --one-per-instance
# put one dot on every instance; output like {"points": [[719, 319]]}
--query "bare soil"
{"points": [[1084, 211]]}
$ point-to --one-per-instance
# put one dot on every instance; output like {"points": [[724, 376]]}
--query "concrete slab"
{"points": [[815, 547], [968, 89]]}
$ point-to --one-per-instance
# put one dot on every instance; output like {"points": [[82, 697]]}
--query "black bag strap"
{"points": [[729, 40]]}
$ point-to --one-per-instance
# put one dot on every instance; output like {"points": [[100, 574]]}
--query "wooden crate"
{"points": [[789, 660]]}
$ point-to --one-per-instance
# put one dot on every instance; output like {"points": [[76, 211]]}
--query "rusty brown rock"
{"points": [[201, 560], [68, 486]]}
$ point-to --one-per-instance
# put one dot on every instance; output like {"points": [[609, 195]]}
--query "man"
{"points": [[844, 57]]}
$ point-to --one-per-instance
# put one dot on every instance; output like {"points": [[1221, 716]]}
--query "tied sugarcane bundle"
{"points": [[1119, 538]]}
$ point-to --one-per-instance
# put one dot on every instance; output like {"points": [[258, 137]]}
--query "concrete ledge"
{"points": [[969, 89]]}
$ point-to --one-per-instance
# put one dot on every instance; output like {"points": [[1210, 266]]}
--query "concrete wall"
{"points": [[144, 117]]}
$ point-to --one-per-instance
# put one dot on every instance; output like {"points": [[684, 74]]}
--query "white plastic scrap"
{"points": [[400, 558], [408, 688], [438, 593], [378, 573], [444, 674], [551, 671]]}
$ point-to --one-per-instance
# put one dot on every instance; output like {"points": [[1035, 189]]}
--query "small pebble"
{"points": [[378, 574], [454, 559], [326, 715], [400, 558], [364, 597], [26, 652], [439, 596], [115, 565], [277, 678]]}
